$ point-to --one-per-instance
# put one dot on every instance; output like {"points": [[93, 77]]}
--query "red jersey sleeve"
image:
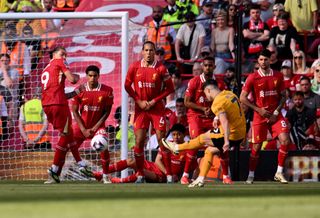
{"points": [[76, 100], [129, 80], [248, 85], [63, 65], [191, 89]]}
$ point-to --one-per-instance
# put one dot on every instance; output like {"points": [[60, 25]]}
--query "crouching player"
{"points": [[229, 129], [153, 171], [90, 109]]}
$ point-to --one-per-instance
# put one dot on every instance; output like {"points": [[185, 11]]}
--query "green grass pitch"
{"points": [[89, 200]]}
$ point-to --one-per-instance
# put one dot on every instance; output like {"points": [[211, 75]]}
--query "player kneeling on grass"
{"points": [[90, 109], [229, 129], [153, 171]]}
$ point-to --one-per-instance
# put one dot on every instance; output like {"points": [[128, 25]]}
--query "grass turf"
{"points": [[89, 200]]}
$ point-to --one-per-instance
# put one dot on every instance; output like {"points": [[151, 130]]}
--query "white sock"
{"points": [[279, 169], [82, 163], [225, 176], [185, 174], [200, 178], [54, 168], [251, 174]]}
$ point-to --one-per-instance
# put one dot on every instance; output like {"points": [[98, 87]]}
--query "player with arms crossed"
{"points": [[268, 91], [148, 78], [229, 129], [55, 105], [90, 109]]}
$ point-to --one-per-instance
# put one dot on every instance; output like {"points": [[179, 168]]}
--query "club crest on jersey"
{"points": [[100, 99], [154, 76], [275, 82]]}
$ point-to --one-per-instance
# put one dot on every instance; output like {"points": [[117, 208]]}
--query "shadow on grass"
{"points": [[33, 192]]}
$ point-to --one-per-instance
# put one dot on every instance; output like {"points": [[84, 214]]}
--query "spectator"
{"points": [[196, 69], [291, 81], [311, 100], [188, 6], [6, 119], [160, 33], [159, 56], [284, 37], [266, 9], [230, 80], [222, 43], [9, 77], [33, 125], [131, 139], [231, 15], [299, 63], [3, 117], [19, 58], [65, 5], [179, 89], [316, 80], [206, 16], [178, 115], [205, 51], [256, 34], [277, 10], [302, 122], [173, 13], [33, 45], [303, 14], [275, 63], [189, 41], [27, 6]]}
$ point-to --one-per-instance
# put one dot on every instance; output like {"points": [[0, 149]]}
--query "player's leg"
{"points": [[141, 124], [153, 173], [78, 139], [280, 129], [259, 134], [205, 166], [105, 160]]}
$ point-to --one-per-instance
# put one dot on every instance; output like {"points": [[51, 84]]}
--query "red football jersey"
{"points": [[196, 94], [266, 90], [93, 103], [53, 83], [148, 81], [173, 119], [177, 163], [291, 84]]}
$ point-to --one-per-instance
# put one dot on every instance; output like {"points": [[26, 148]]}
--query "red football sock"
{"points": [[224, 160], [117, 167], [166, 160], [97, 175], [61, 151], [253, 161], [282, 155], [131, 178], [105, 159], [139, 157], [75, 151], [191, 159]]}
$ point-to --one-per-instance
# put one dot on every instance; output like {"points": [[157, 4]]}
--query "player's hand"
{"points": [[264, 113], [272, 119], [87, 133], [207, 111], [150, 104], [225, 146], [215, 123], [142, 104], [76, 78], [180, 60]]}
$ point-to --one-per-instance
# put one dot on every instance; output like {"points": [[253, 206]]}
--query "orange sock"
{"points": [[192, 144], [206, 163]]}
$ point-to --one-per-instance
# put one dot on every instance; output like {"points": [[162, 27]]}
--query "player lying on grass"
{"points": [[229, 129], [153, 171]]}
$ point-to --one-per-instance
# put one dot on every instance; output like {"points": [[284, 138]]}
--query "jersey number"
{"points": [[235, 100], [45, 79]]}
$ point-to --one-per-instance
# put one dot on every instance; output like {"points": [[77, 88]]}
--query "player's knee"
{"points": [[212, 150]]}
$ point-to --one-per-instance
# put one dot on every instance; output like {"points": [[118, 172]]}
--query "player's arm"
{"points": [[244, 100], [75, 92], [102, 119], [226, 130], [73, 78], [169, 88], [277, 111], [159, 163], [79, 120]]}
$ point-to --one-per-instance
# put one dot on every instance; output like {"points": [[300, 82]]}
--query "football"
{"points": [[99, 142]]}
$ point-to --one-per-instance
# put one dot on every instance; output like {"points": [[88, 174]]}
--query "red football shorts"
{"points": [[79, 138], [199, 125], [260, 130], [142, 120], [152, 167], [60, 117]]}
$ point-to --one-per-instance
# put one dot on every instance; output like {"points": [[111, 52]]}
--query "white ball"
{"points": [[99, 142]]}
